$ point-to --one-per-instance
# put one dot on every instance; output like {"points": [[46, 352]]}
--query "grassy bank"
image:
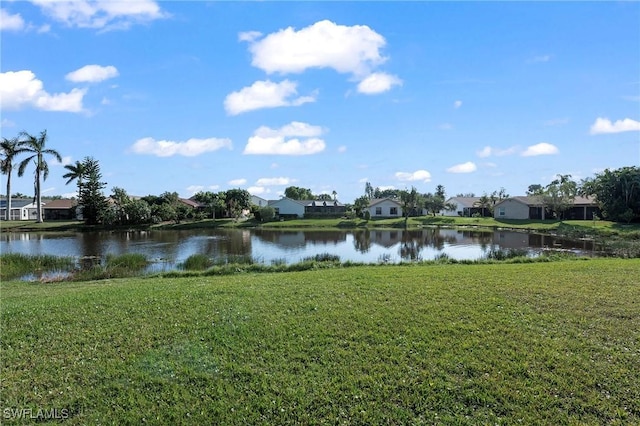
{"points": [[543, 343]]}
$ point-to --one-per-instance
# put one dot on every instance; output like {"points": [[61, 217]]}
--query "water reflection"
{"points": [[363, 245]]}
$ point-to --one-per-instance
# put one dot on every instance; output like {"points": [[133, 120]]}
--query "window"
{"points": [[393, 211], [378, 211], [501, 212]]}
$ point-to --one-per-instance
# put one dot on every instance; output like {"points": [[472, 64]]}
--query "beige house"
{"points": [[384, 207], [532, 207]]}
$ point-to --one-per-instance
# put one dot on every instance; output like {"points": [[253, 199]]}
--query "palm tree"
{"points": [[76, 172], [9, 149], [36, 146]]}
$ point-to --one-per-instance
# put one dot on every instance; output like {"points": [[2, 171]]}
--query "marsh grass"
{"points": [[14, 265], [537, 343], [197, 262]]}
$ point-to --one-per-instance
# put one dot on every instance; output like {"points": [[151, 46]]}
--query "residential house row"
{"points": [[520, 207]]}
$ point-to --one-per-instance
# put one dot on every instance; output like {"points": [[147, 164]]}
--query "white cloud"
{"points": [[190, 148], [92, 74], [418, 175], [346, 49], [237, 182], [257, 190], [538, 59], [193, 189], [101, 14], [378, 82], [467, 167], [342, 149], [264, 94], [286, 140], [249, 36], [457, 104], [604, 125], [445, 126], [9, 22], [20, 89], [542, 148], [274, 181], [65, 160], [488, 151], [7, 123]]}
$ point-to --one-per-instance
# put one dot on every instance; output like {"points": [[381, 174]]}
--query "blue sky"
{"points": [[190, 95]]}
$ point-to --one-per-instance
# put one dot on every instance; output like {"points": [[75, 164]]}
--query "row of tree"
{"points": [[617, 192]]}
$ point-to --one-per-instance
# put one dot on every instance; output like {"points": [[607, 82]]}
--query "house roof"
{"points": [[61, 204], [188, 202], [17, 203], [536, 200], [465, 201], [375, 201], [306, 203]]}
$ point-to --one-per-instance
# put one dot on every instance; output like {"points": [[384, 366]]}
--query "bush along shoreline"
{"points": [[48, 269]]}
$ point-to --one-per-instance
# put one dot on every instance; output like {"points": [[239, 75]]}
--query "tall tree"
{"points": [[237, 200], [368, 190], [409, 200], [37, 147], [535, 189], [76, 172], [360, 205], [485, 203], [617, 193], [297, 193], [92, 200], [559, 194], [9, 149]]}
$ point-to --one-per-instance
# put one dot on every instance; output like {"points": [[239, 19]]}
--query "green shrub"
{"points": [[196, 262]]}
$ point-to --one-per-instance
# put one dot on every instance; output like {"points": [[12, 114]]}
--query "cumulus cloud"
{"points": [[342, 149], [19, 89], [264, 94], [193, 189], [488, 151], [101, 14], [237, 182], [542, 148], [92, 74], [604, 125], [457, 104], [190, 148], [9, 22], [295, 138], [418, 175], [346, 49], [257, 190], [274, 181], [467, 167], [378, 82]]}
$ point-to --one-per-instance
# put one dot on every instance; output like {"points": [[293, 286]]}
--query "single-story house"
{"points": [[465, 207], [288, 207], [384, 207], [61, 209], [259, 201], [532, 207], [21, 209]]}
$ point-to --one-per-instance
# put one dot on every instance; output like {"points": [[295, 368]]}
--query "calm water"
{"points": [[168, 248]]}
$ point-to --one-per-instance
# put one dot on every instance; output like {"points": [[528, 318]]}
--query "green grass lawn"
{"points": [[545, 343]]}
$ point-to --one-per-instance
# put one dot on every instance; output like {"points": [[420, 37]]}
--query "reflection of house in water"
{"points": [[297, 239], [525, 241]]}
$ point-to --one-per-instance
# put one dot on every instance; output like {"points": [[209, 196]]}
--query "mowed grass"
{"points": [[544, 343]]}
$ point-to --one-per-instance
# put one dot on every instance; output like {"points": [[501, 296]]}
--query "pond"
{"points": [[168, 248]]}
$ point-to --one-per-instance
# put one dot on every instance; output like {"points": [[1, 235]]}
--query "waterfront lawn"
{"points": [[544, 343]]}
